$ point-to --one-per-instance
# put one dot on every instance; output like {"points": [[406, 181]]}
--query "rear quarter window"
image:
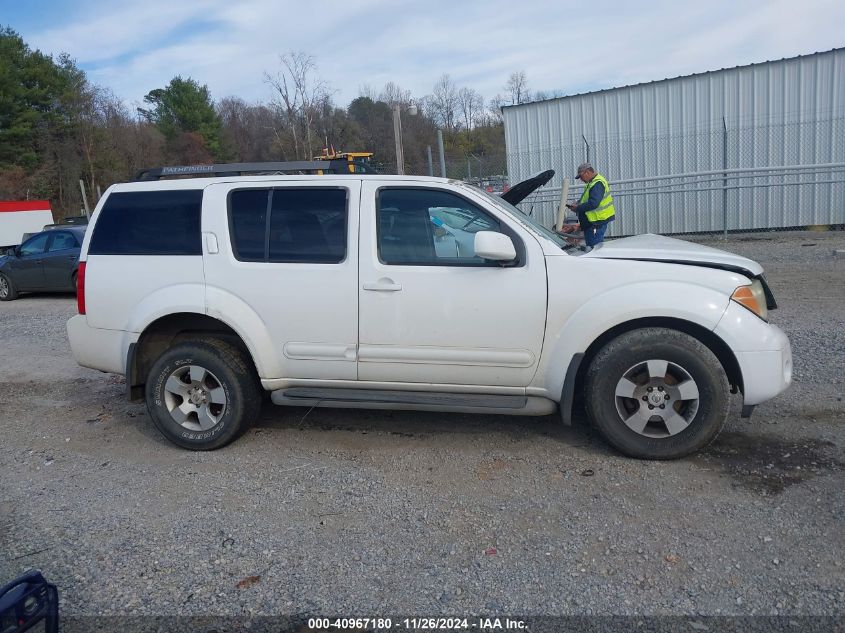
{"points": [[149, 223]]}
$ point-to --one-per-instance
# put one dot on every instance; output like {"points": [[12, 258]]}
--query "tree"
{"points": [[185, 107], [442, 104], [34, 95], [471, 105], [375, 122], [494, 108], [517, 88], [40, 153], [393, 94], [247, 129], [299, 93]]}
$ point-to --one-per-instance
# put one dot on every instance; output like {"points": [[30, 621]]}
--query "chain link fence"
{"points": [[719, 179]]}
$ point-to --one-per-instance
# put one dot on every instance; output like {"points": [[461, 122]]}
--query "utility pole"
{"points": [[397, 133], [84, 199], [442, 154], [725, 180], [430, 162]]}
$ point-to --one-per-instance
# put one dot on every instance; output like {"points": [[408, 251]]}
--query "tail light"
{"points": [[80, 288]]}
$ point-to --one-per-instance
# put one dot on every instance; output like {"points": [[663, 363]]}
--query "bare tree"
{"points": [[245, 128], [366, 90], [394, 94], [494, 108], [517, 88], [442, 104], [471, 105], [298, 95]]}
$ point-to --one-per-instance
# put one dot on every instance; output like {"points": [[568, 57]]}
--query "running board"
{"points": [[309, 396], [443, 402]]}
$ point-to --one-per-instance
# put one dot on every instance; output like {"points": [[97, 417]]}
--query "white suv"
{"points": [[358, 291]]}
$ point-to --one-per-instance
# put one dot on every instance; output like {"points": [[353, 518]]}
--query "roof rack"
{"points": [[311, 167]]}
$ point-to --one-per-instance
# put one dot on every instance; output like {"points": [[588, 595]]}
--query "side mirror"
{"points": [[28, 601], [494, 246]]}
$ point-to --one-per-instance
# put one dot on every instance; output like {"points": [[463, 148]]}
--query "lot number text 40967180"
{"points": [[418, 624]]}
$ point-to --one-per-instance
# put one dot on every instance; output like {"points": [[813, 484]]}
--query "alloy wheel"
{"points": [[657, 398], [194, 397]]}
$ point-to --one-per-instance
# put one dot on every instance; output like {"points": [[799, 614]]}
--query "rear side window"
{"points": [[149, 223], [63, 242], [290, 225], [248, 217]]}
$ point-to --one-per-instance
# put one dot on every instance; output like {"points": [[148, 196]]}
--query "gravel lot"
{"points": [[378, 513]]}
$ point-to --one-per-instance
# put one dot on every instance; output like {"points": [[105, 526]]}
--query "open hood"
{"points": [[657, 248], [521, 190]]}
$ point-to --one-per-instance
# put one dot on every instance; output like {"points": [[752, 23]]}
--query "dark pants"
{"points": [[594, 234]]}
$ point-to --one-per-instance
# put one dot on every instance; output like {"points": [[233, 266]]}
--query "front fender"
{"points": [[572, 332]]}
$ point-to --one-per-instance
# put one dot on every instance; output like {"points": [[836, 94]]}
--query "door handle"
{"points": [[383, 285]]}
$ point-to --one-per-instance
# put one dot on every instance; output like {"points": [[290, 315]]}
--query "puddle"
{"points": [[768, 464]]}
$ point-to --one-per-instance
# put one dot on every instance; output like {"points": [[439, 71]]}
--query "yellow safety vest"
{"points": [[605, 209]]}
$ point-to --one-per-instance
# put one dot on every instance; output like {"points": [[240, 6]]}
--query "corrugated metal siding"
{"points": [[786, 112]]}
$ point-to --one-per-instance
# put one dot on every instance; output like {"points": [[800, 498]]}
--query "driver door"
{"points": [[28, 268], [432, 312]]}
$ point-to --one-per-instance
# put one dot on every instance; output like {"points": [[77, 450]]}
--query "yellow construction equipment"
{"points": [[329, 153]]}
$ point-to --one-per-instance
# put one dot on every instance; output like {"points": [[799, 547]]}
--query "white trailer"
{"points": [[20, 217]]}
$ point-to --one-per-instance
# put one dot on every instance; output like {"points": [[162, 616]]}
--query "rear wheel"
{"points": [[657, 393], [73, 279], [8, 292], [202, 395]]}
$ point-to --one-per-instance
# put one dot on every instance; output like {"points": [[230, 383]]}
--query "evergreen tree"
{"points": [[185, 107]]}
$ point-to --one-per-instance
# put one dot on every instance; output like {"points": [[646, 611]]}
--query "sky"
{"points": [[564, 47]]}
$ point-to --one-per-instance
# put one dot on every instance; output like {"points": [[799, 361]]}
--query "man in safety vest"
{"points": [[595, 208]]}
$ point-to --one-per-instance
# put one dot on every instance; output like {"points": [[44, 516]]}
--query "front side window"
{"points": [[289, 225], [149, 223], [35, 245], [429, 227], [523, 218]]}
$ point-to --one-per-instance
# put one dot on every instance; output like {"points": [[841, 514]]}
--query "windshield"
{"points": [[525, 219]]}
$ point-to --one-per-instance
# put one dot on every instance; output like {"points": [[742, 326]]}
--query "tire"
{"points": [[202, 394], [73, 279], [8, 292], [675, 375]]}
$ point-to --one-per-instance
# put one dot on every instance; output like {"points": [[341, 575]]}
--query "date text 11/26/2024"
{"points": [[417, 624]]}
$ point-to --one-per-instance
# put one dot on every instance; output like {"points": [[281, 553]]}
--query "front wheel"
{"points": [[202, 394], [8, 292], [657, 393]]}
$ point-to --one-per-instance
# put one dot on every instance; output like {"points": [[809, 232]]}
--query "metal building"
{"points": [[751, 147]]}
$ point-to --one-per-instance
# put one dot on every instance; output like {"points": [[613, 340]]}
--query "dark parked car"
{"points": [[46, 262]]}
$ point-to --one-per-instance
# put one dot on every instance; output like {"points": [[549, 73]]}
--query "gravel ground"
{"points": [[373, 513]]}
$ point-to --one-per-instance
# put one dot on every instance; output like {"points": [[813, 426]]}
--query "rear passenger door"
{"points": [[287, 259], [60, 260]]}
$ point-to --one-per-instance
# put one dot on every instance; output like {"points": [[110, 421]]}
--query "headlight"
{"points": [[752, 298]]}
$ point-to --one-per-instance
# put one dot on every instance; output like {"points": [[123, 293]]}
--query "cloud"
{"points": [[562, 46], [118, 29]]}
